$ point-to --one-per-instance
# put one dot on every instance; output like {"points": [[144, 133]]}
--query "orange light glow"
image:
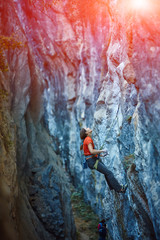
{"points": [[140, 4]]}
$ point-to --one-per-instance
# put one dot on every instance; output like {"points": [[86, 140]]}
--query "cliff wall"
{"points": [[35, 191]]}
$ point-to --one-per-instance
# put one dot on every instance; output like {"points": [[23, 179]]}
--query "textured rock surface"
{"points": [[35, 192], [94, 64]]}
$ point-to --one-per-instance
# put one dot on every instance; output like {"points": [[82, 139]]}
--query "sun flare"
{"points": [[140, 4]]}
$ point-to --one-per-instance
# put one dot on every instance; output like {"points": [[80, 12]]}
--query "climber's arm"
{"points": [[94, 151]]}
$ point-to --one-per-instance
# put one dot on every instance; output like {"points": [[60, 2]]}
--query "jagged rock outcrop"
{"points": [[94, 64]]}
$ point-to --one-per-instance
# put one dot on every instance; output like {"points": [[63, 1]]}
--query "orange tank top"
{"points": [[87, 141]]}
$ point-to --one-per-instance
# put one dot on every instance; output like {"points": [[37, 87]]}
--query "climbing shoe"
{"points": [[124, 188]]}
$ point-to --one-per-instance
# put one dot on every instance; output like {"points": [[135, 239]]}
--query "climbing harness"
{"points": [[85, 165], [98, 159], [96, 164]]}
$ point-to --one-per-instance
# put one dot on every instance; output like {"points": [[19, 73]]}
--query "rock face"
{"points": [[35, 191], [90, 64]]}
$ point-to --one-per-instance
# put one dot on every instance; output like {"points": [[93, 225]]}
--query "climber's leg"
{"points": [[111, 180]]}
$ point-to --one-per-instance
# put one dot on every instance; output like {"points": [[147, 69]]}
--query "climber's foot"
{"points": [[124, 188]]}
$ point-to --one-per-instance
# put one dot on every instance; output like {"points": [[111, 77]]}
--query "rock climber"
{"points": [[94, 162]]}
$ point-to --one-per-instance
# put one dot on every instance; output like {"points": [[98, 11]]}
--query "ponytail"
{"points": [[81, 147], [83, 135]]}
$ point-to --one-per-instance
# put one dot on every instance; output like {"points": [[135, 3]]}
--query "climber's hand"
{"points": [[104, 153]]}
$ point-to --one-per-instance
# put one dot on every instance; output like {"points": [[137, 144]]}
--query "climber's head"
{"points": [[103, 221], [85, 132]]}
